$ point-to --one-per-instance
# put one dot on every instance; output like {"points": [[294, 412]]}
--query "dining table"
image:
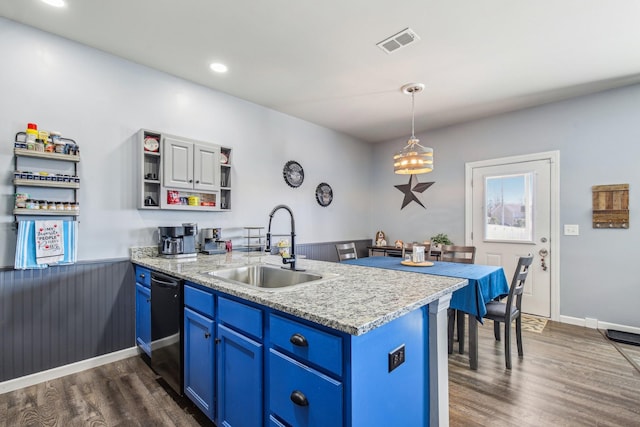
{"points": [[486, 282]]}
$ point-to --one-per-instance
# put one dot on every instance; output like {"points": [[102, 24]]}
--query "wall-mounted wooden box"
{"points": [[610, 206]]}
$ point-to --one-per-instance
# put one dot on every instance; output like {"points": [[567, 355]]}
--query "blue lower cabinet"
{"points": [[275, 423], [199, 354], [302, 396], [143, 318], [240, 380]]}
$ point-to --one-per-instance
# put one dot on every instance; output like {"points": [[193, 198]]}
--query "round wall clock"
{"points": [[293, 173], [324, 194]]}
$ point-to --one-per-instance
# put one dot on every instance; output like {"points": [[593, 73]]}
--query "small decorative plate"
{"points": [[224, 159], [151, 144], [293, 173], [324, 194]]}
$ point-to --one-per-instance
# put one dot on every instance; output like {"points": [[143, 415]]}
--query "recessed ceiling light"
{"points": [[218, 67], [55, 3]]}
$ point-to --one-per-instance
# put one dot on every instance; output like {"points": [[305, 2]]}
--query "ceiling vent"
{"points": [[398, 41]]}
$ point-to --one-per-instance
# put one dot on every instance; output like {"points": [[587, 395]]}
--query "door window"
{"points": [[509, 208]]}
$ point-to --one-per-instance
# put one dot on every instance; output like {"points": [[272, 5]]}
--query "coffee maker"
{"points": [[178, 241], [211, 243]]}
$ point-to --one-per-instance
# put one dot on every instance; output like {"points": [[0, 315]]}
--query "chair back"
{"points": [[462, 254], [517, 283], [346, 251], [409, 247]]}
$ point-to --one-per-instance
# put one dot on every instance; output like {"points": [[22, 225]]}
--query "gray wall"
{"points": [[101, 101], [598, 139], [57, 316]]}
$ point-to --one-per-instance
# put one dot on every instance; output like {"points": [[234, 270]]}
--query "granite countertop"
{"points": [[358, 300]]}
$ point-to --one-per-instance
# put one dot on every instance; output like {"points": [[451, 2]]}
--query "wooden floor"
{"points": [[570, 376], [124, 393]]}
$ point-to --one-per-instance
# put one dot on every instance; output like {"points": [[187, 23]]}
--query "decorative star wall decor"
{"points": [[409, 188]]}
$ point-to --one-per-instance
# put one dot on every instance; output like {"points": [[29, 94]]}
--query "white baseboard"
{"points": [[596, 324], [61, 371]]}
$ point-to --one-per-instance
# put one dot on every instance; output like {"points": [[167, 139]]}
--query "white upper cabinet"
{"points": [[206, 168], [181, 173]]}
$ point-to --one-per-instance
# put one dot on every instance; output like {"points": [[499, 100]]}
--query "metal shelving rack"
{"points": [[20, 180]]}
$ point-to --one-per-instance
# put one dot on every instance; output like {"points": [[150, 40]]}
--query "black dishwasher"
{"points": [[166, 329]]}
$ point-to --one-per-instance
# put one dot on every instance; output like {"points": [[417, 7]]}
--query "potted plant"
{"points": [[439, 240]]}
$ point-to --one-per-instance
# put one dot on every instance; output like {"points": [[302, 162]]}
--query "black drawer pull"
{"points": [[299, 398], [299, 340], [207, 335]]}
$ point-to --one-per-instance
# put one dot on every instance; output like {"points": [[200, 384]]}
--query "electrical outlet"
{"points": [[396, 358]]}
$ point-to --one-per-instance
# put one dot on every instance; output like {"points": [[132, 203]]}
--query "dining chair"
{"points": [[346, 251], [507, 312], [466, 255], [407, 248]]}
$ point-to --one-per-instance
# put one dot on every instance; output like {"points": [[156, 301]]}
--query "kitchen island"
{"points": [[388, 329]]}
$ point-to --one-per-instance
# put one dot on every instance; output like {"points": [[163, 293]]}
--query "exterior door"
{"points": [[511, 216]]}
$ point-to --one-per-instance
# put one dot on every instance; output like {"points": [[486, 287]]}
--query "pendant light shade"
{"points": [[414, 158]]}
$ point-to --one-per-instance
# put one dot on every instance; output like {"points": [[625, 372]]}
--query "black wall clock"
{"points": [[293, 173], [324, 194]]}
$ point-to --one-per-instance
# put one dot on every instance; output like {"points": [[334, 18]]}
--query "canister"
{"points": [[194, 201], [21, 200]]}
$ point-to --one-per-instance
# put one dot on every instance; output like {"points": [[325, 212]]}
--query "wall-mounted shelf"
{"points": [[44, 212], [22, 152], [610, 206], [49, 184], [52, 177]]}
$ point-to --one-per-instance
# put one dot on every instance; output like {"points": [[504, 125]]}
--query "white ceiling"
{"points": [[318, 59]]}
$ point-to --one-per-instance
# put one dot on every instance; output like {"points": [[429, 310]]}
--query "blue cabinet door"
{"points": [[239, 380], [198, 361], [143, 318]]}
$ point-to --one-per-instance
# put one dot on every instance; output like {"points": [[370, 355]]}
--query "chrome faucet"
{"points": [[291, 260]]}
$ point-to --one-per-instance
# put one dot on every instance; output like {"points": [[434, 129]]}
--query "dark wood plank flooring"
{"points": [[123, 393], [570, 376]]}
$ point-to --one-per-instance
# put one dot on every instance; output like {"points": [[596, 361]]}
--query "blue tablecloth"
{"points": [[486, 282]]}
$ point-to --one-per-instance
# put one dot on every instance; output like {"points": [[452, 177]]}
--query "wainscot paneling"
{"points": [[326, 251], [61, 315]]}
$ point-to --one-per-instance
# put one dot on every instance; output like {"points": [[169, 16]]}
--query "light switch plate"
{"points": [[571, 229]]}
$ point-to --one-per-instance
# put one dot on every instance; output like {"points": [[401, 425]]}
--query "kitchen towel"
{"points": [[49, 241], [26, 245]]}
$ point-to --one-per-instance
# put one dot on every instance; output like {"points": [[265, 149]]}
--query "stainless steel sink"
{"points": [[269, 277]]}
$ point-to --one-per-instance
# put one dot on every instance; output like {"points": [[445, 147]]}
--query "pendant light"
{"points": [[414, 158]]}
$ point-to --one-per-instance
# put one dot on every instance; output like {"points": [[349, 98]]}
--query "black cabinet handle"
{"points": [[299, 398], [299, 340], [207, 335], [190, 180], [142, 276], [197, 181]]}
